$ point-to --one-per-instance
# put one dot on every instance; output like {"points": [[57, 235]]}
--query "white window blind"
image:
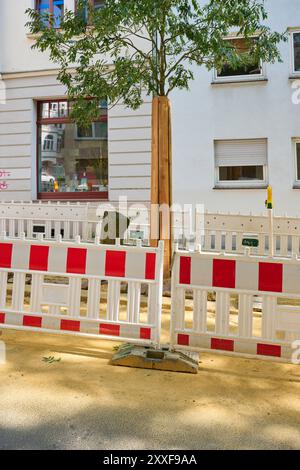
{"points": [[246, 152]]}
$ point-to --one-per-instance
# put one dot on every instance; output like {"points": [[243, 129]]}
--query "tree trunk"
{"points": [[161, 177]]}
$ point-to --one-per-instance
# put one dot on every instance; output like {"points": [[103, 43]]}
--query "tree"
{"points": [[133, 46]]}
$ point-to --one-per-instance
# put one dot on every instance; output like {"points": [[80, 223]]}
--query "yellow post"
{"points": [[270, 198]]}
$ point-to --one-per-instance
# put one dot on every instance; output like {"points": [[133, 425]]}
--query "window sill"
{"points": [[38, 35], [296, 186], [239, 81], [295, 76], [84, 197], [33, 36], [264, 186]]}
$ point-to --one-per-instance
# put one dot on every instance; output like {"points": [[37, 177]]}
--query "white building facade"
{"points": [[234, 132]]}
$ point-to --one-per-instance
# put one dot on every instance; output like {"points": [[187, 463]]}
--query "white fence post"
{"points": [[36, 292], [134, 302], [200, 311], [3, 284], [74, 296], [222, 313], [18, 291], [113, 302], [94, 298], [269, 317], [245, 315]]}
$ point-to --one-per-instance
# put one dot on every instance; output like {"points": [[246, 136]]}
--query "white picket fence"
{"points": [[55, 273], [52, 219], [205, 275], [215, 232], [225, 232], [71, 220]]}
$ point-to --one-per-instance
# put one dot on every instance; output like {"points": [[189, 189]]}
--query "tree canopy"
{"points": [[131, 46]]}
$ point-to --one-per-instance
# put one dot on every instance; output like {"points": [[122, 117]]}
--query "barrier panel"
{"points": [[225, 232], [214, 232], [86, 220], [79, 219], [240, 278], [52, 219], [55, 273]]}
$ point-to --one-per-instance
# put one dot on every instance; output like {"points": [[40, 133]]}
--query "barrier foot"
{"points": [[145, 357]]}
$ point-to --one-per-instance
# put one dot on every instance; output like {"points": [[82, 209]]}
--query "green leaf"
{"points": [[51, 359]]}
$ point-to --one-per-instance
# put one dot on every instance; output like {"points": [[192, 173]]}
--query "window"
{"points": [[98, 4], [48, 142], [51, 8], [95, 4], [241, 163], [297, 156], [72, 161], [252, 69], [97, 130], [296, 52]]}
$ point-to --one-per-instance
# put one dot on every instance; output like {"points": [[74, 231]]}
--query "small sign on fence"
{"points": [[137, 235], [251, 242]]}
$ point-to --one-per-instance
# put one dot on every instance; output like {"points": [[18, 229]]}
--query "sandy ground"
{"points": [[82, 402]]}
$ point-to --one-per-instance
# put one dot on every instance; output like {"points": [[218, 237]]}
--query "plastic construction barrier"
{"points": [[203, 275], [54, 273]]}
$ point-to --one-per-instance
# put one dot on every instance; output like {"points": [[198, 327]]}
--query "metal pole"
{"points": [[269, 205]]}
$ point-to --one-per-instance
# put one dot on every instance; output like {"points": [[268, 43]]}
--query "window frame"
{"points": [[240, 184], [51, 9], [94, 2], [295, 142], [49, 139], [240, 78], [91, 2], [68, 196], [295, 73], [76, 137]]}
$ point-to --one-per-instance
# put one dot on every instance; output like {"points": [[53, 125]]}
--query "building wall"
{"points": [[239, 111], [29, 76], [129, 136], [16, 52], [206, 113]]}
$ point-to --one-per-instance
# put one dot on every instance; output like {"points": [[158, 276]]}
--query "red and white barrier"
{"points": [[246, 276], [73, 262]]}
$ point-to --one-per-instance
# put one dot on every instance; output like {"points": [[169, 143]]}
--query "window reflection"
{"points": [[297, 51], [55, 8], [298, 160], [243, 48], [72, 159]]}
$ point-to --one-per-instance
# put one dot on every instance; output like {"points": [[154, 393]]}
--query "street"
{"points": [[79, 401]]}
